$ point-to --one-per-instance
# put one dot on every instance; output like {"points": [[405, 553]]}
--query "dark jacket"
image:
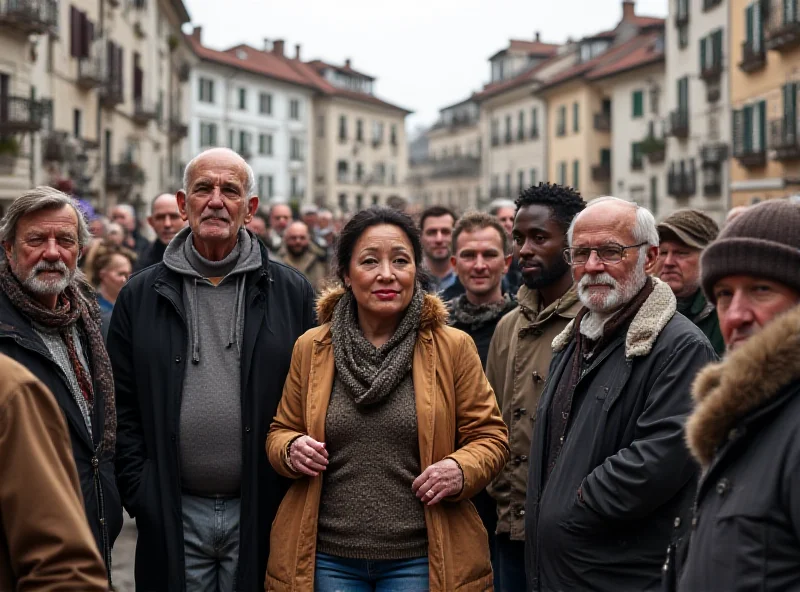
{"points": [[704, 314], [152, 255], [604, 518], [481, 332], [744, 432], [147, 343], [19, 341]]}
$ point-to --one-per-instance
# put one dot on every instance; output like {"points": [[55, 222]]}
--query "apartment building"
{"points": [[360, 149], [455, 147], [24, 25], [580, 106], [765, 79], [255, 102], [116, 80], [698, 103], [514, 118], [635, 86]]}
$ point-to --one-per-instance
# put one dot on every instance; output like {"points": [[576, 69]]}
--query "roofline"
{"points": [[649, 62], [352, 71], [366, 101], [183, 13], [253, 71], [469, 99]]}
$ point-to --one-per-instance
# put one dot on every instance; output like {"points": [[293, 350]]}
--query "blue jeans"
{"points": [[508, 564], [338, 574], [210, 543]]}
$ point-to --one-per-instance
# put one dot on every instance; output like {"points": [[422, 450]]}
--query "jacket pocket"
{"points": [[739, 548]]}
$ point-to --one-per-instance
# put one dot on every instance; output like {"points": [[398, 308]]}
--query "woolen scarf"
{"points": [[476, 316], [369, 373], [75, 306]]}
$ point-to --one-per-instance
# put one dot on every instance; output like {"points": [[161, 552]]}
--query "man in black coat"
{"points": [[609, 469], [745, 532], [201, 344], [50, 323]]}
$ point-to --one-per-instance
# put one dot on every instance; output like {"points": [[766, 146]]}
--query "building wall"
{"points": [[585, 145], [626, 182], [776, 178], [342, 195], [708, 122], [225, 113], [447, 145], [528, 156]]}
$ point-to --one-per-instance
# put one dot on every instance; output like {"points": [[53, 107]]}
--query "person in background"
{"points": [[297, 253], [50, 323], [46, 544], [111, 269], [683, 235], [380, 498], [608, 461], [98, 226], [436, 224], [259, 226], [116, 234], [743, 430], [280, 216], [201, 345], [505, 211], [125, 216], [165, 220]]}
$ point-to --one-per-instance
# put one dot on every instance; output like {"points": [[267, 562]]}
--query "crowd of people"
{"points": [[551, 395]]}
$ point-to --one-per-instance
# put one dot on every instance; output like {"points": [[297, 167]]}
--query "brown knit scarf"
{"points": [[75, 305]]}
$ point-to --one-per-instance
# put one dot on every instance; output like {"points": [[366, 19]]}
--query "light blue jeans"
{"points": [[210, 543], [338, 574]]}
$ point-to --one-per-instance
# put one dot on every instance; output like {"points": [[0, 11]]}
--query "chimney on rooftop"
{"points": [[277, 47], [347, 63], [537, 36], [197, 34], [266, 44], [628, 9], [297, 51]]}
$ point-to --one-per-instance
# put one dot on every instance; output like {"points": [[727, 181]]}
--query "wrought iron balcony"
{"points": [[681, 184], [709, 4], [111, 93], [637, 164], [783, 28], [144, 110], [459, 166], [178, 130], [713, 155], [749, 156], [712, 188], [681, 18], [123, 175], [753, 58], [18, 114], [654, 149], [711, 72], [602, 122], [92, 70], [601, 172], [30, 16], [678, 124], [784, 139]]}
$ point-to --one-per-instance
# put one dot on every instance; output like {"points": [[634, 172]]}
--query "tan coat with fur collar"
{"points": [[458, 417]]}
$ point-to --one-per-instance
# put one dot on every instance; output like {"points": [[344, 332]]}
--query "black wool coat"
{"points": [[147, 343]]}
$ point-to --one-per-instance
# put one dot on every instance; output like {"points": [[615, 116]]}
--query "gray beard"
{"points": [[593, 323]]}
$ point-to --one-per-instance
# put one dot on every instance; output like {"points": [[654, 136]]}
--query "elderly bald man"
{"points": [[165, 220], [201, 344], [298, 253]]}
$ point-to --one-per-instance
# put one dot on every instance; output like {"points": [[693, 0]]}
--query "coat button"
{"points": [[523, 458], [521, 512], [536, 376], [95, 462], [177, 359], [723, 485], [523, 411], [247, 429], [677, 522], [694, 522]]}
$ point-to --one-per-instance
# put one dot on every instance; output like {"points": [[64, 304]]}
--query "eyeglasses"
{"points": [[611, 253]]}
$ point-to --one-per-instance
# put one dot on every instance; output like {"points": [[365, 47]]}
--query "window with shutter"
{"points": [[575, 118], [74, 32], [702, 54], [638, 103], [576, 170], [717, 44], [758, 26], [762, 126], [87, 35]]}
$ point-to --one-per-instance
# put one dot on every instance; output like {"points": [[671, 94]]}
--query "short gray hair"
{"points": [[128, 208], [250, 188], [34, 200], [499, 204], [644, 229]]}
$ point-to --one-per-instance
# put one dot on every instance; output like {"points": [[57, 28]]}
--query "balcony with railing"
{"points": [[678, 124], [712, 187], [457, 166], [454, 122], [92, 70], [602, 122], [111, 91], [681, 184], [682, 15], [709, 4], [654, 149], [178, 130], [782, 31], [712, 71], [144, 110], [123, 175], [784, 139], [713, 155], [637, 163], [31, 17], [601, 173], [18, 114], [749, 156], [753, 58]]}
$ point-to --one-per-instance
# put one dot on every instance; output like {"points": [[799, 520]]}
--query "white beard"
{"points": [[35, 285], [620, 293], [592, 325]]}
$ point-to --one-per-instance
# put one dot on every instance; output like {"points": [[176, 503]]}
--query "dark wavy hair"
{"points": [[563, 201], [375, 216]]}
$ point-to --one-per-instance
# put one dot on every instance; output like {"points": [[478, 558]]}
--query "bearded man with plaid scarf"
{"points": [[50, 323]]}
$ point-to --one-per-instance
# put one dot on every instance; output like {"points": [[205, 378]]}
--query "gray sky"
{"points": [[426, 54]]}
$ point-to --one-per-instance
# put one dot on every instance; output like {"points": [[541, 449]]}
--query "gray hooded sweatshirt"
{"points": [[211, 412]]}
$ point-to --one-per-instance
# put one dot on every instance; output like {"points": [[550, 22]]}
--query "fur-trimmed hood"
{"points": [[646, 326], [434, 311], [748, 378]]}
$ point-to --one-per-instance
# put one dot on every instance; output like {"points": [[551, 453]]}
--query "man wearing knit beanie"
{"points": [[743, 430], [684, 235]]}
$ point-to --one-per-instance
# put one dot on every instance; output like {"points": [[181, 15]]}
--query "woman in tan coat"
{"points": [[389, 426]]}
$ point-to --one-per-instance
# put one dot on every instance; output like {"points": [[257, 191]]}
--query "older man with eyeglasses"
{"points": [[610, 478]]}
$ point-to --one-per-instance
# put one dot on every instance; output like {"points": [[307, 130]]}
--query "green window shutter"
{"points": [[638, 103], [747, 124], [749, 26], [605, 157], [762, 125], [758, 27], [575, 174], [718, 46], [702, 54], [575, 125]]}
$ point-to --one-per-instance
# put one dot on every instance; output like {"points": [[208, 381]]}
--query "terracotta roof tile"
{"points": [[496, 88], [641, 56], [534, 47], [320, 65]]}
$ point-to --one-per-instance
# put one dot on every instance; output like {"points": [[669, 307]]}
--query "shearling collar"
{"points": [[646, 326], [749, 377], [434, 312]]}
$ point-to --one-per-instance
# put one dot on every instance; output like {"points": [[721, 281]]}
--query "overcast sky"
{"points": [[425, 54]]}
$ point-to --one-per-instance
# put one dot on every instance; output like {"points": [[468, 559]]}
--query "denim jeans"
{"points": [[508, 564], [210, 543], [338, 574]]}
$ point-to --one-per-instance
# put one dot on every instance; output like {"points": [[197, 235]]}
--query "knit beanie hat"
{"points": [[693, 228], [764, 241]]}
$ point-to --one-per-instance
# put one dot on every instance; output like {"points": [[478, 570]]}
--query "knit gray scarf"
{"points": [[476, 316], [368, 373]]}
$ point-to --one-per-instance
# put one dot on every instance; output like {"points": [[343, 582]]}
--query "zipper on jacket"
{"points": [[101, 511]]}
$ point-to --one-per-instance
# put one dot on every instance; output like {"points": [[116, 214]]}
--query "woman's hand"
{"points": [[308, 456], [438, 481]]}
